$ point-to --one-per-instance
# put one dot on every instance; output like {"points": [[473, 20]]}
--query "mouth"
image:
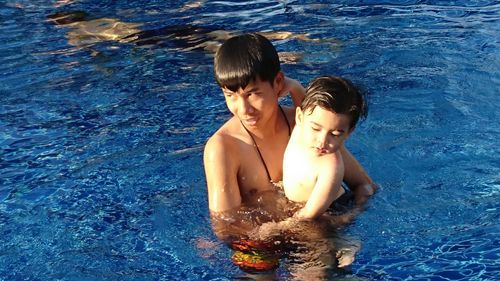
{"points": [[250, 121], [320, 150]]}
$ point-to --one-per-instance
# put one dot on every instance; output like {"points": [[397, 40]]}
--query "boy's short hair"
{"points": [[335, 94], [244, 58]]}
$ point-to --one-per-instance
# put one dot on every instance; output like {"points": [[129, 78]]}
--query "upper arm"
{"points": [[221, 174], [326, 190]]}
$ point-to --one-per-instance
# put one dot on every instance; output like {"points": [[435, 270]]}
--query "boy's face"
{"points": [[322, 131], [254, 104]]}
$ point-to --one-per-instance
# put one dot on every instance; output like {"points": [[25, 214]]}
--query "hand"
{"points": [[368, 189], [272, 229], [265, 231], [300, 215], [363, 192]]}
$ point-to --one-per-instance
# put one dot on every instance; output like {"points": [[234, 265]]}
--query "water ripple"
{"points": [[101, 139]]}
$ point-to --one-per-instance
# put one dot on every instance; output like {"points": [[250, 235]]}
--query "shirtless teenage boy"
{"points": [[245, 155]]}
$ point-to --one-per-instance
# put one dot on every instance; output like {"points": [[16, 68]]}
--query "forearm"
{"points": [[354, 174], [295, 89], [312, 211], [319, 201], [356, 178], [297, 93]]}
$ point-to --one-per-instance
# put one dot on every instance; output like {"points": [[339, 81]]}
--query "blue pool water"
{"points": [[101, 139]]}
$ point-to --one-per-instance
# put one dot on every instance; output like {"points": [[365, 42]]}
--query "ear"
{"points": [[279, 82], [299, 115]]}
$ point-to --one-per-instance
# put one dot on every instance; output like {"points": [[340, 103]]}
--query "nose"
{"points": [[322, 140], [244, 107]]}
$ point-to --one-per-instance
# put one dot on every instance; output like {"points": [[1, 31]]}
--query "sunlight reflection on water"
{"points": [[101, 136]]}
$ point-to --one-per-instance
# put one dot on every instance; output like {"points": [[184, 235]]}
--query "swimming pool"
{"points": [[101, 137]]}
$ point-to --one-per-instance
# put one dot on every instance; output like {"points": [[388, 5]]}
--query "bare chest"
{"points": [[260, 167], [300, 173]]}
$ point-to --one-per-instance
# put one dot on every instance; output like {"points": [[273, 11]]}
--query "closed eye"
{"points": [[337, 133]]}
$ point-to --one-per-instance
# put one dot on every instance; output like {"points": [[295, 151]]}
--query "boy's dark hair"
{"points": [[335, 94], [244, 58]]}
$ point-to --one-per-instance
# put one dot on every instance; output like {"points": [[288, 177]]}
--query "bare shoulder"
{"points": [[331, 164], [223, 141]]}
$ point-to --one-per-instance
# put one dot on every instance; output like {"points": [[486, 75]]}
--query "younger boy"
{"points": [[313, 167]]}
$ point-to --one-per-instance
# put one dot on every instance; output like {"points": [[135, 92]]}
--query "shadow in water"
{"points": [[85, 31]]}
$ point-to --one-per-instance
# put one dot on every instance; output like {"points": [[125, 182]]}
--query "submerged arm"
{"points": [[228, 227]]}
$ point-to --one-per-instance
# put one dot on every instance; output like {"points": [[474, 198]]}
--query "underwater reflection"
{"points": [[85, 31], [60, 3], [264, 236]]}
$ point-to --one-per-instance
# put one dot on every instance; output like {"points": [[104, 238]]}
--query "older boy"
{"points": [[313, 167], [245, 156]]}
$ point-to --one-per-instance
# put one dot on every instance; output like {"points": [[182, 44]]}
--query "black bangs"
{"points": [[234, 69], [243, 59]]}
